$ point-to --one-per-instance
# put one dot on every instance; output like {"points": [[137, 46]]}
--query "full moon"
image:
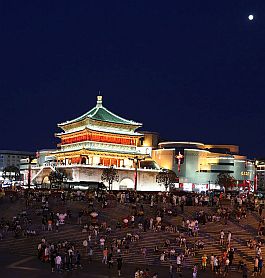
{"points": [[251, 17]]}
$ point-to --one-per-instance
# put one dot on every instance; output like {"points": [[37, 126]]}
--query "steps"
{"points": [[209, 234]]}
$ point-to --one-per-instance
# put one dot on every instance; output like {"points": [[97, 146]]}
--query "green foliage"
{"points": [[110, 175], [56, 177], [225, 180], [166, 177]]}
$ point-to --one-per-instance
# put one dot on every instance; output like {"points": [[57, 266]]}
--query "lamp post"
{"points": [[179, 157], [136, 161], [30, 158]]}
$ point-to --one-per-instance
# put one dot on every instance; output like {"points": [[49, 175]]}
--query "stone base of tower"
{"points": [[146, 178]]}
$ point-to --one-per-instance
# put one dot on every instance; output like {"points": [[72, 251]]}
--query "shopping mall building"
{"points": [[198, 165], [99, 139]]}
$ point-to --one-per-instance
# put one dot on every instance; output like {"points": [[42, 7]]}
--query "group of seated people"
{"points": [[253, 243]]}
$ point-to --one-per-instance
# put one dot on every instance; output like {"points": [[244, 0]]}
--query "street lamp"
{"points": [[179, 157], [30, 158], [136, 161]]}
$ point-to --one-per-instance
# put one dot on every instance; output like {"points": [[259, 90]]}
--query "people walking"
{"points": [[194, 271], [105, 256], [260, 265], [244, 271], [204, 262], [58, 261], [229, 237], [222, 234], [119, 265], [212, 262], [171, 270], [90, 254], [110, 260]]}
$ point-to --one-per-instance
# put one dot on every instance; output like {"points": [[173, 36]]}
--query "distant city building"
{"points": [[11, 158], [198, 165], [260, 170]]}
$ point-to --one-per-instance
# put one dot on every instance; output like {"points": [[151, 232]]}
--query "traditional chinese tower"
{"points": [[99, 137]]}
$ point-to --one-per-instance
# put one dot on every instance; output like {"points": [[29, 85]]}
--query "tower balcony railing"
{"points": [[66, 165]]}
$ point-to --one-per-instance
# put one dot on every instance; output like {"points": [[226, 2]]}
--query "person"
{"points": [[182, 206], [170, 270], [216, 265], [194, 271], [102, 242], [85, 244], [137, 273], [212, 262], [110, 260], [244, 271], [119, 265], [58, 261], [256, 264], [178, 263], [105, 256], [204, 262], [226, 266], [90, 254], [222, 234], [49, 225], [231, 256], [57, 225], [260, 265], [52, 262], [229, 238], [78, 259]]}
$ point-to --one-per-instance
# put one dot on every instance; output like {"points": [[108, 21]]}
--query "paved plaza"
{"points": [[124, 222]]}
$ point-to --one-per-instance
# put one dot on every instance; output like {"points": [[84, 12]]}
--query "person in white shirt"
{"points": [[58, 261], [222, 234], [178, 263], [195, 271], [229, 238], [102, 243]]}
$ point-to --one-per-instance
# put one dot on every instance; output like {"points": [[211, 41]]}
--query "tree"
{"points": [[110, 175], [225, 180], [56, 177], [11, 173], [166, 177]]}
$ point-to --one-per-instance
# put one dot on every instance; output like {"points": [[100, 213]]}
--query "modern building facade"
{"points": [[198, 165]]}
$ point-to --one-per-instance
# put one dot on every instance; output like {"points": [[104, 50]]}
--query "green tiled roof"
{"points": [[100, 113]]}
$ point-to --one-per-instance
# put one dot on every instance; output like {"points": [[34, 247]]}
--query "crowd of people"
{"points": [[148, 212]]}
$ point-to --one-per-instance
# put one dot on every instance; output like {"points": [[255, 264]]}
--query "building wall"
{"points": [[146, 178], [200, 167], [164, 158], [149, 139], [260, 170], [10, 159]]}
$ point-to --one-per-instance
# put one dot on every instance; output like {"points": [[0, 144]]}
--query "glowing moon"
{"points": [[251, 17]]}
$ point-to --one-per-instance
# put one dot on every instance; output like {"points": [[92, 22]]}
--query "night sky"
{"points": [[190, 70]]}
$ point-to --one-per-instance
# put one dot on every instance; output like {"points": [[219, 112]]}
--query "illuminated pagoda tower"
{"points": [[96, 140], [98, 137]]}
